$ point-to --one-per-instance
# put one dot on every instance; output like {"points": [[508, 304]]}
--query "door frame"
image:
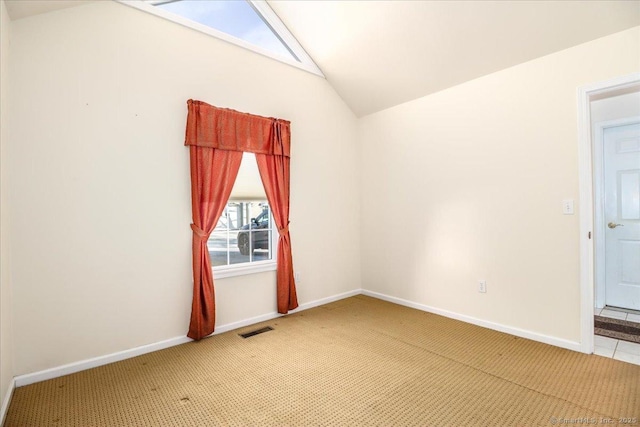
{"points": [[599, 230], [586, 94]]}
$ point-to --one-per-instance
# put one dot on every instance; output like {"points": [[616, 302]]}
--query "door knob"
{"points": [[614, 225]]}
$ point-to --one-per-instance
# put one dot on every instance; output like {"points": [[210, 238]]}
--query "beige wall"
{"points": [[6, 331], [100, 180], [467, 184], [462, 185]]}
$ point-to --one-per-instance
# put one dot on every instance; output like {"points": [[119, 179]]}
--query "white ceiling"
{"points": [[378, 54], [19, 9]]}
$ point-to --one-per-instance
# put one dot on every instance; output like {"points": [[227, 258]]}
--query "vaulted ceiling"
{"points": [[378, 54], [23, 8]]}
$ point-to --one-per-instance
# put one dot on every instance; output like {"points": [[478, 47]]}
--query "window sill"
{"points": [[243, 269]]}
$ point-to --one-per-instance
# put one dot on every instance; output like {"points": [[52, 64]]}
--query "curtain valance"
{"points": [[226, 129]]}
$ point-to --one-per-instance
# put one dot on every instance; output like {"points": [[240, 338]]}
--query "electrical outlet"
{"points": [[482, 286], [296, 276]]}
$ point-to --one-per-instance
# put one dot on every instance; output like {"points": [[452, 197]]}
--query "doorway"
{"points": [[617, 209], [592, 233]]}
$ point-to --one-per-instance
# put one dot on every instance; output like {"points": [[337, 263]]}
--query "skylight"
{"points": [[251, 24], [236, 18]]}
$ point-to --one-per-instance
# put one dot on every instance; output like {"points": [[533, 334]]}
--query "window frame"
{"points": [[252, 267], [305, 62]]}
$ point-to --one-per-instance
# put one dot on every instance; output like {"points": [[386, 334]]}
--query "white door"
{"points": [[622, 215]]}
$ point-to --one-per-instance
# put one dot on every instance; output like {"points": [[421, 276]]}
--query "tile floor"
{"points": [[617, 349]]}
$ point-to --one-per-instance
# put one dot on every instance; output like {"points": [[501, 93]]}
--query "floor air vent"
{"points": [[256, 332]]}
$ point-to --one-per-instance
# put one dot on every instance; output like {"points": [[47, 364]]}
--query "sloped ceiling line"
{"points": [[378, 54]]}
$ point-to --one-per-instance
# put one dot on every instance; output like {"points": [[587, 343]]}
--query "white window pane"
{"points": [[244, 235], [218, 248]]}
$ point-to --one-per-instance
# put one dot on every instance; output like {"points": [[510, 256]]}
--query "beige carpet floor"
{"points": [[355, 362]]}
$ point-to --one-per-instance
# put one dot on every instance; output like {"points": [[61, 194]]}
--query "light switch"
{"points": [[567, 207]]}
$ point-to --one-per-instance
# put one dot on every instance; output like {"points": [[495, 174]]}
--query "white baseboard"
{"points": [[265, 317], [558, 342], [275, 314], [7, 399], [71, 368], [242, 323], [47, 374], [327, 300]]}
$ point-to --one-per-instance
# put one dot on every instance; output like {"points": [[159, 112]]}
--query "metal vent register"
{"points": [[256, 332]]}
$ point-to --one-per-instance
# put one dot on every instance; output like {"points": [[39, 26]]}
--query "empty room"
{"points": [[314, 213]]}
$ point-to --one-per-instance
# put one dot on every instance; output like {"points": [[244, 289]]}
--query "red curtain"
{"points": [[213, 173], [274, 171], [217, 137]]}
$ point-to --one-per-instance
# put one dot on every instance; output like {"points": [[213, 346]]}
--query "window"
{"points": [[236, 18], [251, 24], [244, 240], [243, 234]]}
